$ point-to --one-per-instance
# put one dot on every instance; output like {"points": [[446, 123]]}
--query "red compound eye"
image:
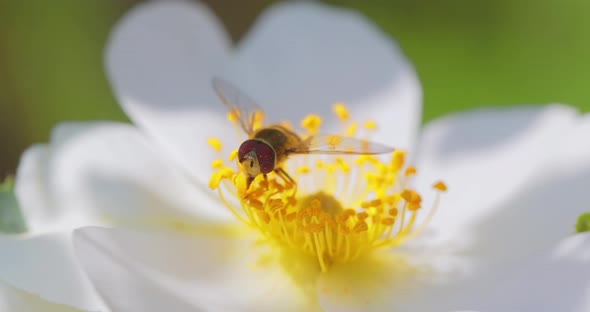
{"points": [[264, 153]]}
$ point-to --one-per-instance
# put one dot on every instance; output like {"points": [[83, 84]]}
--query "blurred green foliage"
{"points": [[51, 56], [467, 53], [499, 52], [583, 223]]}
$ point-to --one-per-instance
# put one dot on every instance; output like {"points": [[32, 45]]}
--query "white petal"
{"points": [[555, 279], [302, 57], [99, 173], [369, 284], [506, 195], [160, 60], [45, 265], [31, 189], [208, 272], [12, 299]]}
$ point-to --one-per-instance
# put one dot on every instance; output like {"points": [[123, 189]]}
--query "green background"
{"points": [[468, 53]]}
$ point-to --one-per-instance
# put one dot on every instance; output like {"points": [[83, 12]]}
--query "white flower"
{"points": [[38, 269], [13, 299], [500, 241]]}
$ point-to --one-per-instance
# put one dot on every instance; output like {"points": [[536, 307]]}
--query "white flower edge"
{"points": [[104, 173], [13, 299], [198, 273], [496, 160], [185, 272], [44, 268]]}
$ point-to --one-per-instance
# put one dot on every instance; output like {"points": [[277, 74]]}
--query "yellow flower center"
{"points": [[341, 207]]}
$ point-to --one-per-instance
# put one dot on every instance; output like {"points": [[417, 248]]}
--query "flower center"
{"points": [[338, 209]]}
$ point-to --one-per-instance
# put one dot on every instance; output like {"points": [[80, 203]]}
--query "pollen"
{"points": [[351, 130], [370, 125], [340, 111], [214, 143], [233, 155], [441, 186], [410, 171], [336, 208], [311, 123]]}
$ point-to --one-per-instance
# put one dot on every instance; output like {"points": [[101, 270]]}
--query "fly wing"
{"points": [[245, 110], [337, 144]]}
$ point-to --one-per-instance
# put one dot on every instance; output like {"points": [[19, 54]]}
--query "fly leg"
{"points": [[249, 181], [287, 178], [266, 181]]}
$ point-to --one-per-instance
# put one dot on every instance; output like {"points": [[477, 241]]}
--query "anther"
{"points": [[214, 143], [440, 186], [340, 111], [397, 159], [410, 171], [263, 216], [311, 123], [217, 164], [303, 170], [351, 130], [370, 125], [256, 204], [233, 155], [393, 212], [360, 227], [233, 115], [362, 215], [388, 221]]}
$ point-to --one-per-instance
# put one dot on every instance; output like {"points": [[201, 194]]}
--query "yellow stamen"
{"points": [[214, 180], [370, 125], [397, 160], [340, 111], [217, 164], [351, 130], [233, 116], [215, 144], [344, 207], [333, 141], [410, 171], [441, 186], [233, 155], [311, 123], [303, 170]]}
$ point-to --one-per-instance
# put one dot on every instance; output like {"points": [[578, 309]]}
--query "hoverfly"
{"points": [[268, 147]]}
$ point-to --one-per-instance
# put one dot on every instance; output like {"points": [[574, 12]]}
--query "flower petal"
{"points": [[500, 166], [369, 284], [301, 57], [104, 173], [558, 280], [44, 265], [160, 60], [211, 271], [12, 299], [555, 279]]}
